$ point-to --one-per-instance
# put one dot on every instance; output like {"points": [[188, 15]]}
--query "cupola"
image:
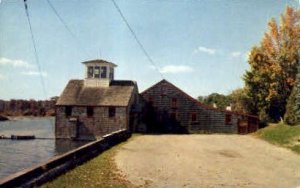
{"points": [[99, 73]]}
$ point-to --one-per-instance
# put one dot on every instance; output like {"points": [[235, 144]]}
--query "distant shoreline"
{"points": [[27, 117], [12, 118]]}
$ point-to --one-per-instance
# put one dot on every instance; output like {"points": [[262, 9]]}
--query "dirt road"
{"points": [[207, 161]]}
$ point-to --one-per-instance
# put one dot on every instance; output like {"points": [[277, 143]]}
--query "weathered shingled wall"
{"points": [[160, 96], [80, 126]]}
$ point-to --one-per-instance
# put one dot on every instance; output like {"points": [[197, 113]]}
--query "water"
{"points": [[16, 155]]}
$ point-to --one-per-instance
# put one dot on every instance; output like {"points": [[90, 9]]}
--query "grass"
{"points": [[283, 135], [98, 172]]}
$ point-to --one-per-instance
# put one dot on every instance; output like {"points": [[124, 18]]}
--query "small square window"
{"points": [[68, 111], [193, 117], [111, 112], [90, 111], [174, 103]]}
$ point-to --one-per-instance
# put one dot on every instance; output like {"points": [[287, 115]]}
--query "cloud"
{"points": [[2, 77], [14, 62], [173, 69], [236, 54], [34, 73], [205, 50]]}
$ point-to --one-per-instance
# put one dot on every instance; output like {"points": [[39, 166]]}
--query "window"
{"points": [[68, 111], [111, 73], [97, 72], [111, 112], [90, 73], [103, 72], [193, 117], [228, 120], [174, 103], [90, 111]]}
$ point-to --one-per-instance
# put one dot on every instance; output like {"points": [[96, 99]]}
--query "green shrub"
{"points": [[282, 134]]}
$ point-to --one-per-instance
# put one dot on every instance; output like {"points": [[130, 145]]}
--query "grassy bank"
{"points": [[283, 135], [98, 172]]}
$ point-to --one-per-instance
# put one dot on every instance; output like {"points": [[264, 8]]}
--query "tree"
{"points": [[201, 99], [239, 100], [220, 100], [257, 83], [273, 67], [292, 115]]}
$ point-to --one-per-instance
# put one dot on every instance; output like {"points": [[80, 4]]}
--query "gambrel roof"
{"points": [[117, 94]]}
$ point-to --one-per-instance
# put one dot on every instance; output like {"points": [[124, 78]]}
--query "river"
{"points": [[16, 155]]}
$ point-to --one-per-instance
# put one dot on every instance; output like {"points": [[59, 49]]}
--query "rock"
{"points": [[3, 118]]}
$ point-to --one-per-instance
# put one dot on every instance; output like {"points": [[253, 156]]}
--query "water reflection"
{"points": [[16, 155]]}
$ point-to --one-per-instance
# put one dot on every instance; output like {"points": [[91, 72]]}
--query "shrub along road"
{"points": [[207, 161]]}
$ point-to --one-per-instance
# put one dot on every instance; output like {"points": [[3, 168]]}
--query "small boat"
{"points": [[22, 137]]}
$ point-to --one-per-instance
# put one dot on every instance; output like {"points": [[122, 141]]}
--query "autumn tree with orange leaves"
{"points": [[273, 67]]}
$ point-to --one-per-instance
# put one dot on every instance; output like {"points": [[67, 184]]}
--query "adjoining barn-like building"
{"points": [[168, 109], [90, 108]]}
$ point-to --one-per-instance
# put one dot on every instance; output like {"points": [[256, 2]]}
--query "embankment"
{"points": [[58, 165]]}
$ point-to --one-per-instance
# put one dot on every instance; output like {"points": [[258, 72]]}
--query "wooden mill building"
{"points": [[168, 109], [95, 106]]}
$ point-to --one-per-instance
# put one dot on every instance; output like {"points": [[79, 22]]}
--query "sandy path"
{"points": [[207, 161]]}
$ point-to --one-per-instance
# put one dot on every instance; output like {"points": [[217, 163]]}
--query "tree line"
{"points": [[236, 100], [272, 83], [20, 107]]}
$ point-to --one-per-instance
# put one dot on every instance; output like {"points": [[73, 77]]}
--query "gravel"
{"points": [[207, 161]]}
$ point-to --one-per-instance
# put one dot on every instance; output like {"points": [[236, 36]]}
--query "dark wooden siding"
{"points": [[160, 98]]}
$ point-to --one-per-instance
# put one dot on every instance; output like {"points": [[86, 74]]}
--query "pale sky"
{"points": [[200, 46]]}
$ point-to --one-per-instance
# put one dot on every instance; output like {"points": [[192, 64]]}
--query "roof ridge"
{"points": [[195, 100], [77, 95]]}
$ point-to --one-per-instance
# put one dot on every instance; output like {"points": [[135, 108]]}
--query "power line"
{"points": [[66, 26], [60, 18], [136, 38], [35, 50]]}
